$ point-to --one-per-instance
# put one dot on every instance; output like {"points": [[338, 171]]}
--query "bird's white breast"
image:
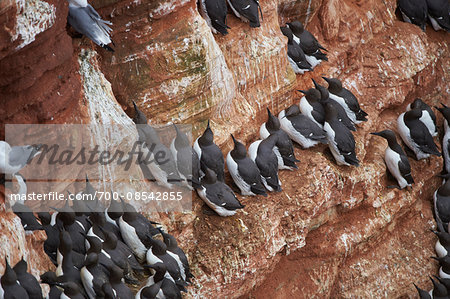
{"points": [[263, 132], [253, 149], [131, 239], [392, 159]]}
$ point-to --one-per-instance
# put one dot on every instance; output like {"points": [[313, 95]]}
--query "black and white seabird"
{"points": [[121, 290], [89, 203], [161, 278], [93, 276], [135, 229], [303, 36], [75, 229], [156, 158], [284, 148], [346, 99], [121, 255], [311, 106], [301, 128], [210, 154], [444, 281], [422, 293], [104, 259], [396, 159], [416, 135], [51, 279], [109, 292], [340, 138], [442, 246], [414, 11], [217, 195], [296, 56], [428, 117], [113, 212], [9, 285], [13, 159], [441, 198], [67, 258], [157, 253], [261, 152], [438, 13], [178, 254], [444, 269], [244, 171], [439, 290], [85, 20], [81, 210], [28, 281], [325, 98], [309, 44], [52, 233], [186, 159], [71, 290], [215, 14], [446, 139], [247, 10], [151, 291], [99, 225]]}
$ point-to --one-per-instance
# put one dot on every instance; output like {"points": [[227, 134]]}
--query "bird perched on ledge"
{"points": [[396, 159], [85, 20], [247, 11], [414, 12], [308, 43], [215, 14], [296, 56], [217, 195], [346, 99], [416, 135]]}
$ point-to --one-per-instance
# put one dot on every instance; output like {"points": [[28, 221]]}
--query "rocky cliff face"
{"points": [[333, 231]]}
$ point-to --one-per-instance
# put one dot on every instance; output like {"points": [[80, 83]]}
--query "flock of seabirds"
{"points": [[96, 249]]}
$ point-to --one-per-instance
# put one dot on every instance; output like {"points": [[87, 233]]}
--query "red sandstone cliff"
{"points": [[333, 231]]}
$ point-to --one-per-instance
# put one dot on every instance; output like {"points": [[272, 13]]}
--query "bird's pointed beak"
{"points": [[176, 128], [315, 83], [435, 258], [302, 91], [434, 232], [208, 125], [327, 79], [376, 133], [234, 140], [135, 106], [56, 209]]}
